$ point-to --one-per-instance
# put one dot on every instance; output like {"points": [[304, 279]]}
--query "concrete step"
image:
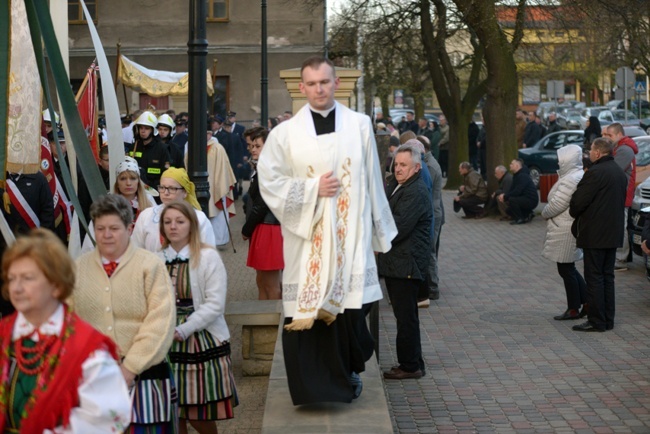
{"points": [[367, 414]]}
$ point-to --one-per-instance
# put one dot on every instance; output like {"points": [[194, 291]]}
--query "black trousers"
{"points": [[599, 275], [471, 206], [444, 162], [574, 285], [520, 207], [403, 294]]}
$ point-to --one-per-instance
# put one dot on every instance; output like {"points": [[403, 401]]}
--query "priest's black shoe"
{"points": [[568, 314], [357, 385], [587, 327], [518, 222]]}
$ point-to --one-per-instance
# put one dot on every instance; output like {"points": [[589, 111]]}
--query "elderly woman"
{"points": [[57, 373], [200, 354], [125, 293], [174, 185], [560, 245]]}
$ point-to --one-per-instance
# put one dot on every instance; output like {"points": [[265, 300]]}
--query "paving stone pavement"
{"points": [[496, 360]]}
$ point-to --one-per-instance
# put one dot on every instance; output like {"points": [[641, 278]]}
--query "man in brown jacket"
{"points": [[520, 127], [472, 194]]}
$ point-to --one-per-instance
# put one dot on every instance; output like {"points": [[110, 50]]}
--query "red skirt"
{"points": [[265, 251]]}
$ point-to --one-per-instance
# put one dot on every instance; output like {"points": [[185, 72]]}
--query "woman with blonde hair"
{"points": [[129, 185], [57, 373], [200, 353]]}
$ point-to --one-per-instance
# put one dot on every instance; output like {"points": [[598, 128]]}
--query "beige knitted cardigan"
{"points": [[135, 307]]}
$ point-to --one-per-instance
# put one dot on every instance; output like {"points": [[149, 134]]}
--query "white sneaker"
{"points": [[424, 303]]}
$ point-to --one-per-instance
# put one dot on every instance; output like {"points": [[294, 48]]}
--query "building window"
{"points": [[221, 96], [76, 12], [218, 10]]}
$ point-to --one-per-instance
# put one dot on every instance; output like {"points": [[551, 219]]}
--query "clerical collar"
{"points": [[323, 113]]}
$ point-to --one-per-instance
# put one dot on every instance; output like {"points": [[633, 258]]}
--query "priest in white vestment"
{"points": [[319, 174]]}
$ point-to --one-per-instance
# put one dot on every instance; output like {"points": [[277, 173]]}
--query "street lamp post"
{"points": [[264, 81], [197, 51]]}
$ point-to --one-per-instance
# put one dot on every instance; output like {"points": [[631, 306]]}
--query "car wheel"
{"points": [[535, 173]]}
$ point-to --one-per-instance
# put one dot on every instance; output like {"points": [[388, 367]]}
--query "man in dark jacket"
{"points": [[505, 182], [522, 197], [472, 136], [533, 132], [598, 208], [404, 267], [553, 126]]}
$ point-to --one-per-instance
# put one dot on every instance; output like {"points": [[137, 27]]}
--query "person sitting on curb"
{"points": [[522, 197], [472, 194]]}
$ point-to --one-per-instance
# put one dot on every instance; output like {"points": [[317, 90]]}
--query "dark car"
{"points": [[541, 158]]}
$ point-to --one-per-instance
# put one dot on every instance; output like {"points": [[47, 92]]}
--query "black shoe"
{"points": [[568, 314], [530, 217], [518, 222], [357, 385], [609, 326], [587, 327], [434, 294]]}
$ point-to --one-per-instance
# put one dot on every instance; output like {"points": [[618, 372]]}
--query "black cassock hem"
{"points": [[319, 360]]}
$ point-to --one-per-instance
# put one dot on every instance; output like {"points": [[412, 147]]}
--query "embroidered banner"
{"points": [[24, 113], [155, 83]]}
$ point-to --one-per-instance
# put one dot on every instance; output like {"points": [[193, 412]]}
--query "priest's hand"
{"points": [[328, 185]]}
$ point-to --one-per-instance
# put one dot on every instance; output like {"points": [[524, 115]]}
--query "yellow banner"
{"points": [[156, 83]]}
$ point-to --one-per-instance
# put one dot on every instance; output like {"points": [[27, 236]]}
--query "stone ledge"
{"points": [[367, 414], [254, 312]]}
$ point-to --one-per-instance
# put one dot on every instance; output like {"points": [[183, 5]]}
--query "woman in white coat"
{"points": [[559, 244], [200, 354]]}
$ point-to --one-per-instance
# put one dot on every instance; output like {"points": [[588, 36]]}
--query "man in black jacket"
{"points": [[404, 267], [505, 182], [597, 206], [533, 132], [522, 197]]}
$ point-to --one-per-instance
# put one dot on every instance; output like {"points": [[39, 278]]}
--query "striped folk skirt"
{"points": [[154, 402], [203, 375]]}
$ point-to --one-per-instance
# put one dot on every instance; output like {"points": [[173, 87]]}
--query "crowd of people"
{"points": [[132, 337]]}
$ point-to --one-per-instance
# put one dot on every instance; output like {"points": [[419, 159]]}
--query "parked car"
{"points": [[569, 120], [642, 158], [541, 158], [588, 112], [607, 117]]}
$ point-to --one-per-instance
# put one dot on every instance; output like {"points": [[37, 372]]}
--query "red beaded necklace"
{"points": [[36, 363]]}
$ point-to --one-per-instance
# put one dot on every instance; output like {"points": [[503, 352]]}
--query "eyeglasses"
{"points": [[163, 189]]}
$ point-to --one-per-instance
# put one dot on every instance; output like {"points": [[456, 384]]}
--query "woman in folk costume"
{"points": [[263, 230], [200, 354], [129, 185], [174, 185], [125, 293], [57, 373], [222, 179]]}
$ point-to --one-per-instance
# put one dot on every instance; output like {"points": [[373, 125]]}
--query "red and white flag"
{"points": [[87, 107]]}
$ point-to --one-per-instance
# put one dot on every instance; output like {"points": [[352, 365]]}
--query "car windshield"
{"points": [[619, 115], [643, 156], [592, 112]]}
